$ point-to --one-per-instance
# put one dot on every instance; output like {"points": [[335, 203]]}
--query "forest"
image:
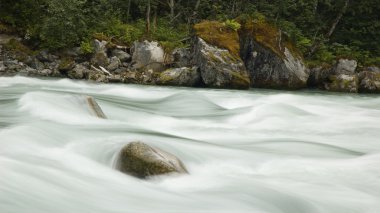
{"points": [[323, 30]]}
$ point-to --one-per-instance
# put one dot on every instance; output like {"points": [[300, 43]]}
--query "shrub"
{"points": [[232, 24], [86, 47]]}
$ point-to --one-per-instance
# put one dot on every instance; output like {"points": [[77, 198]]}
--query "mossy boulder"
{"points": [[215, 51], [271, 60], [184, 76], [369, 82], [141, 160], [343, 83]]}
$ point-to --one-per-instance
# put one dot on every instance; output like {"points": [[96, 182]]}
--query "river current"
{"points": [[260, 151]]}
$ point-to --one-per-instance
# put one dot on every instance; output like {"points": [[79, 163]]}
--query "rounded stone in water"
{"points": [[141, 160]]}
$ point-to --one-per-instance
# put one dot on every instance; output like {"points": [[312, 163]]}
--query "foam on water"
{"points": [[246, 151]]}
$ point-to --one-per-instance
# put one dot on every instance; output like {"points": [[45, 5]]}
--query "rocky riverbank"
{"points": [[217, 58]]}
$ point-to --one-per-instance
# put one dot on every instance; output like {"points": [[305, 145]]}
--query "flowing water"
{"points": [[246, 151]]}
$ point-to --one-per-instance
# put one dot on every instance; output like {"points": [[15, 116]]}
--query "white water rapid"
{"points": [[246, 151]]}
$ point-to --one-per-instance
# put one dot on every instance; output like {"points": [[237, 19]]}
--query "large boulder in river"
{"points": [[216, 53], [148, 55], [271, 60], [184, 76], [141, 160], [369, 82]]}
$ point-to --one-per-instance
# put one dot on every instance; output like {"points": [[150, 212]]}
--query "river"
{"points": [[247, 151]]}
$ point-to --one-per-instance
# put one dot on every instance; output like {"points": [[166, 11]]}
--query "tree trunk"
{"points": [[148, 9], [171, 4], [327, 36], [129, 9]]}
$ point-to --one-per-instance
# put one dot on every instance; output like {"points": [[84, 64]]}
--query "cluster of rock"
{"points": [[344, 77], [258, 65]]}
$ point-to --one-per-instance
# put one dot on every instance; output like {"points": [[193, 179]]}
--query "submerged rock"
{"points": [[272, 62], [343, 83], [94, 107], [369, 82], [141, 160]]}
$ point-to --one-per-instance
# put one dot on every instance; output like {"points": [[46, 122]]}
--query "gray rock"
{"points": [[2, 66], [345, 66], [181, 57], [373, 69], [218, 67], [148, 55], [45, 56], [121, 55], [78, 72], [114, 64], [141, 160], [35, 63], [270, 69], [45, 72], [100, 59], [369, 82], [180, 77], [99, 46], [343, 83], [97, 76]]}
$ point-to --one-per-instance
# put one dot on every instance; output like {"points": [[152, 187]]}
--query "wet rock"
{"points": [[121, 55], [148, 55], [95, 108], [343, 83], [181, 57], [369, 82], [345, 66], [45, 72], [218, 67], [114, 64], [141, 160], [180, 77], [45, 56], [97, 76], [78, 72]]}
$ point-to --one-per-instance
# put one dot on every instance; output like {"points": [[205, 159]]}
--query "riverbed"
{"points": [[246, 151]]}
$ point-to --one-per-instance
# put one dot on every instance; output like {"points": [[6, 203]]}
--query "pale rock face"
{"points": [[184, 76], [218, 67], [346, 66], [148, 55]]}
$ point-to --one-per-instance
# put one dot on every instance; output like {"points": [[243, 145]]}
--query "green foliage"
{"points": [[86, 47], [122, 33], [232, 24], [169, 37]]}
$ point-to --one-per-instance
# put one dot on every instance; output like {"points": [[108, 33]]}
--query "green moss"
{"points": [[269, 36], [217, 34]]}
